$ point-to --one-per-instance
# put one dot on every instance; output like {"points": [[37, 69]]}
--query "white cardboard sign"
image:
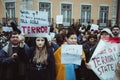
{"points": [[34, 23], [71, 54]]}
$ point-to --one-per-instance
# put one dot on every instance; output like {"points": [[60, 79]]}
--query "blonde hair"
{"points": [[40, 56]]}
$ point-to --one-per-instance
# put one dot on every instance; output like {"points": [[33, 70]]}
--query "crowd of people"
{"points": [[39, 58]]}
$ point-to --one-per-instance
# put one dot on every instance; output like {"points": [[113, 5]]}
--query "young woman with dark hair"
{"points": [[40, 59], [66, 71]]}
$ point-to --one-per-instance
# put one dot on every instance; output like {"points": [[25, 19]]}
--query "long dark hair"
{"points": [[40, 56]]}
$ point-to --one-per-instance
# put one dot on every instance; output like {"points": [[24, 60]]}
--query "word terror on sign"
{"points": [[33, 29]]}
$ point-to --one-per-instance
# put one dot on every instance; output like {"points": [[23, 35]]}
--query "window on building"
{"points": [[85, 14], [24, 0], [103, 15], [66, 11], [45, 6], [26, 4], [10, 7]]}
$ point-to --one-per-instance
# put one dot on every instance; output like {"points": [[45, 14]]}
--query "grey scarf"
{"points": [[8, 49]]}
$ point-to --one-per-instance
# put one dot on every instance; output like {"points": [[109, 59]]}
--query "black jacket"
{"points": [[40, 71], [11, 68]]}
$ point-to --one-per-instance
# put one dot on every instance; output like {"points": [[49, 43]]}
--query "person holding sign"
{"points": [[66, 71], [105, 33], [40, 59], [12, 66], [89, 48]]}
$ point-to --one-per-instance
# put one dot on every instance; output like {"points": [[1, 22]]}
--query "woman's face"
{"points": [[92, 40], [105, 35], [40, 42], [72, 39]]}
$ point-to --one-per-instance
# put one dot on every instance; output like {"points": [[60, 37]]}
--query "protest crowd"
{"points": [[42, 58]]}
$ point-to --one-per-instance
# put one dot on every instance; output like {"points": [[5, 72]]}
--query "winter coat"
{"points": [[88, 49], [11, 68], [64, 71], [40, 71]]}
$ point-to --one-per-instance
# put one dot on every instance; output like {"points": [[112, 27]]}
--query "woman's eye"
{"points": [[42, 40], [38, 40]]}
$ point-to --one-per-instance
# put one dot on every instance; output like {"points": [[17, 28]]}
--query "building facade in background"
{"points": [[118, 13], [101, 12]]}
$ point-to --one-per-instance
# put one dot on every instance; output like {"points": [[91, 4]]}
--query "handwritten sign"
{"points": [[94, 27], [34, 23], [104, 60], [52, 34], [7, 29], [71, 54], [59, 19]]}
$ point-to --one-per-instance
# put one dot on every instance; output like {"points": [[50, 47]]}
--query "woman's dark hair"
{"points": [[92, 36], [47, 43], [70, 32], [59, 39]]}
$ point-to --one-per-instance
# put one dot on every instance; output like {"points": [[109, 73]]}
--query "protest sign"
{"points": [[94, 27], [7, 29], [52, 34], [34, 23], [104, 59], [71, 54], [59, 19]]}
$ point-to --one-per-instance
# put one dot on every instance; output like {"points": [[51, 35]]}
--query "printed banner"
{"points": [[34, 23], [104, 59], [71, 54]]}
